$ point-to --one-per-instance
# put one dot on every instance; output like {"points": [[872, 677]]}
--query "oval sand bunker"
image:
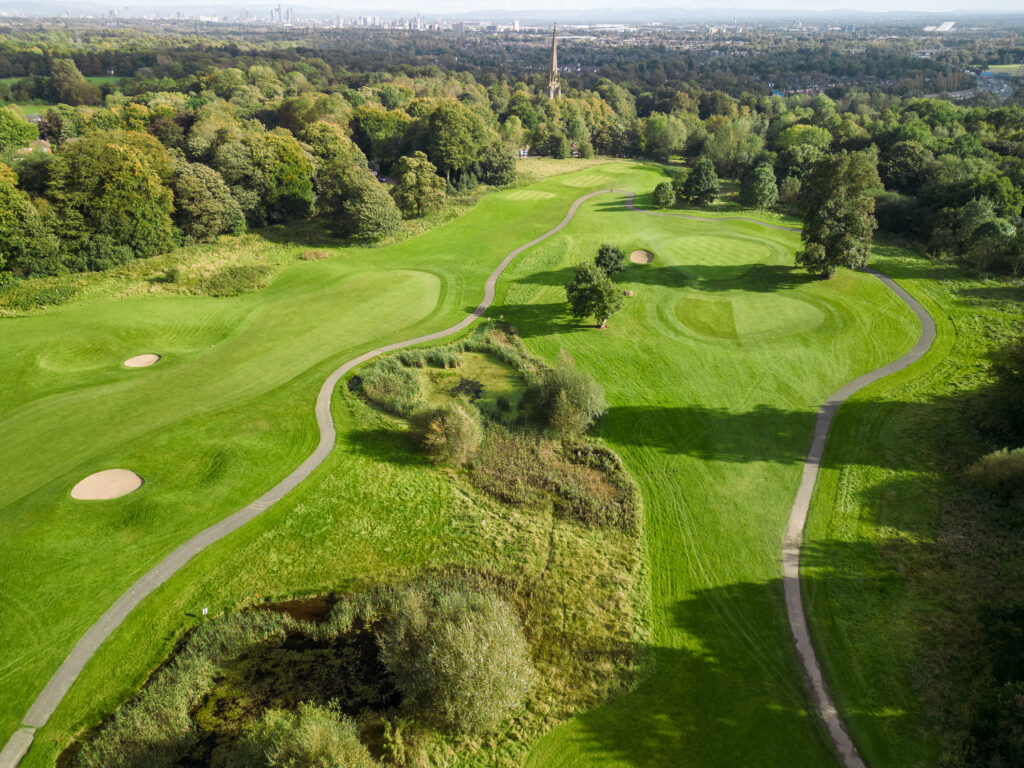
{"points": [[141, 361], [641, 257], [108, 484]]}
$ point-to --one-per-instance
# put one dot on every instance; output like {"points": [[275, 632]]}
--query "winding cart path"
{"points": [[791, 543], [48, 700]]}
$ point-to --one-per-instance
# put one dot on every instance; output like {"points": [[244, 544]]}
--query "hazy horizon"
{"points": [[568, 8]]}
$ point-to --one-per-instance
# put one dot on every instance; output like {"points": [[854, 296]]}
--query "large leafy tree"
{"points": [[455, 137], [592, 293], [701, 186], [664, 135], [497, 165], [269, 174], [15, 130], [758, 188], [906, 166], [113, 183], [365, 208], [840, 219], [71, 85], [27, 246], [380, 132], [204, 206], [418, 189], [609, 259]]}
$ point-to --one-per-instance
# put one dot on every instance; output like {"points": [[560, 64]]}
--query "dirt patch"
{"points": [[141, 361], [641, 257], [108, 484]]}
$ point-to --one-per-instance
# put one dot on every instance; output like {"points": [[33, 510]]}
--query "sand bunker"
{"points": [[108, 484], [141, 361], [641, 257]]}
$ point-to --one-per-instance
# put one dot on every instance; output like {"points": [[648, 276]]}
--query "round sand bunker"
{"points": [[108, 484], [641, 257], [141, 361]]}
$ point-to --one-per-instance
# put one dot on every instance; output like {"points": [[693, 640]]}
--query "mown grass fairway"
{"points": [[898, 546], [224, 415], [713, 371]]}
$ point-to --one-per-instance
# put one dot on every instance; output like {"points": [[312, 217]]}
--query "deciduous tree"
{"points": [[840, 219], [591, 293], [701, 186]]}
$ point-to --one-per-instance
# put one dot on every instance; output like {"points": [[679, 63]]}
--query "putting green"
{"points": [[713, 378], [714, 432], [745, 316], [226, 414]]}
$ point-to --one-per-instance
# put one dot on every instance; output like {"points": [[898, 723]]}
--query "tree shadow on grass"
{"points": [[387, 445], [534, 320], [726, 689], [759, 278], [983, 296]]}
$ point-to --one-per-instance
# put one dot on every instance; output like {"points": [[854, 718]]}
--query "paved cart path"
{"points": [[90, 642], [844, 746], [62, 680]]}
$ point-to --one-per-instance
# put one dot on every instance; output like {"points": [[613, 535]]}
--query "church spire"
{"points": [[554, 89]]}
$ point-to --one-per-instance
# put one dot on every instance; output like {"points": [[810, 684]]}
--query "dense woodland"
{"points": [[207, 137], [210, 138]]}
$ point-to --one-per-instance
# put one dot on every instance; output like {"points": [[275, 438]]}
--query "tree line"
{"points": [[278, 142]]}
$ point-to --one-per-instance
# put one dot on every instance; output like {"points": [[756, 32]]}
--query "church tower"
{"points": [[554, 89]]}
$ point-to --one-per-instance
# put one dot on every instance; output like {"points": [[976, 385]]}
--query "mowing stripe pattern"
{"points": [[48, 700], [51, 696], [849, 757]]}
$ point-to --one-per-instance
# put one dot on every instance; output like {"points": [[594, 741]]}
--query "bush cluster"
{"points": [[391, 386], [570, 398], [155, 729], [451, 645], [236, 279], [1000, 473], [448, 356], [458, 656], [313, 737], [585, 482], [23, 295], [449, 432]]}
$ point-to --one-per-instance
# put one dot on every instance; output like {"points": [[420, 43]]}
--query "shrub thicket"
{"points": [[458, 656], [449, 432], [1001, 473], [663, 196], [23, 295], [571, 399], [392, 386], [585, 482], [314, 737], [155, 729], [236, 279]]}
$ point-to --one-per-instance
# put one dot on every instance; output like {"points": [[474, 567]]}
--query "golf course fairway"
{"points": [[713, 371]]}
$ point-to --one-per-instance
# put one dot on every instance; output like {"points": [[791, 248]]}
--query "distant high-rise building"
{"points": [[515, 25], [554, 87], [341, 23]]}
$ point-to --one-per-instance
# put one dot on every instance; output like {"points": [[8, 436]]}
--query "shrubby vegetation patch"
{"points": [[532, 452], [446, 652]]}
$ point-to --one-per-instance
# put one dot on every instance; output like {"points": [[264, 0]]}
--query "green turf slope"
{"points": [[713, 371], [221, 418], [225, 415], [897, 546]]}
